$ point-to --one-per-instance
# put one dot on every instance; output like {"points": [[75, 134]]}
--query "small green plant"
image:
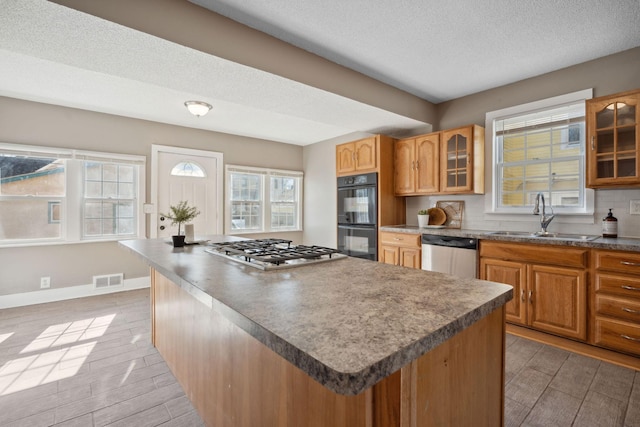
{"points": [[181, 213], [423, 212]]}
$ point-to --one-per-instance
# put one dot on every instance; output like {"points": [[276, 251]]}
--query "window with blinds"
{"points": [[263, 200], [541, 151]]}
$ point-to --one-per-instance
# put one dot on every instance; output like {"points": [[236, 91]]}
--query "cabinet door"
{"points": [[612, 140], [389, 255], [345, 159], [427, 176], [511, 273], [558, 301], [365, 150], [456, 174], [404, 166], [410, 257]]}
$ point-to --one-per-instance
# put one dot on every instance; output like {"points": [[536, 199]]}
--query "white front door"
{"points": [[194, 176]]}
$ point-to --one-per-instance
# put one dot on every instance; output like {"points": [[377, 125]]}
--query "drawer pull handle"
{"points": [[630, 310], [629, 288], [522, 295], [531, 297], [632, 264], [627, 337], [397, 238]]}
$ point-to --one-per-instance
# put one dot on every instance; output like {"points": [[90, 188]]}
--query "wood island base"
{"points": [[232, 379]]}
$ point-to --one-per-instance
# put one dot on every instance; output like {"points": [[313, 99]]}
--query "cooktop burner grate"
{"points": [[277, 252]]}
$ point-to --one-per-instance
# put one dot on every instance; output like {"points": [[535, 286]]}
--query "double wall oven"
{"points": [[358, 215]]}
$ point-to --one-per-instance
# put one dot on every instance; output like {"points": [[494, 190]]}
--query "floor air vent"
{"points": [[108, 281]]}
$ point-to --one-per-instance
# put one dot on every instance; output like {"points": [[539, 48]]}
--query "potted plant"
{"points": [[423, 218], [180, 214]]}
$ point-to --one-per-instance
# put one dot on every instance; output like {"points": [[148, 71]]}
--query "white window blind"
{"points": [[540, 150]]}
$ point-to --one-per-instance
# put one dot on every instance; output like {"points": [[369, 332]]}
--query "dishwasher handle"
{"points": [[450, 241]]}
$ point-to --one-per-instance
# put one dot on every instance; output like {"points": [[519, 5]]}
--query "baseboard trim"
{"points": [[71, 292], [583, 349]]}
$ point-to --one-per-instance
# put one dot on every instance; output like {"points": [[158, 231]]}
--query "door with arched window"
{"points": [[191, 175]]}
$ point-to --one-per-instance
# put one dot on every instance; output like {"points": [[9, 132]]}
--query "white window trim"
{"points": [[71, 226], [266, 211], [491, 211]]}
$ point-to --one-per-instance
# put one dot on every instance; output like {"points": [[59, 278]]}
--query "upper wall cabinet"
{"points": [[357, 157], [613, 132], [447, 162], [416, 165]]}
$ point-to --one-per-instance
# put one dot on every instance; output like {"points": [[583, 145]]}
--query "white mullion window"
{"points": [[540, 149], [109, 199], [53, 196], [263, 200]]}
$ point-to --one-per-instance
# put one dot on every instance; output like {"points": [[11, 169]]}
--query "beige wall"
{"points": [[47, 125], [611, 74]]}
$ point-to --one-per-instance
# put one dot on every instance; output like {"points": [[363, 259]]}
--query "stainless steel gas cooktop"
{"points": [[271, 254]]}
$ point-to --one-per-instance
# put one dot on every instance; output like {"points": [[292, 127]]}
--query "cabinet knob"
{"points": [[522, 295], [531, 297], [162, 227]]}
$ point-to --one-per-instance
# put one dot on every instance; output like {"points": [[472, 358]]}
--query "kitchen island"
{"points": [[343, 343]]}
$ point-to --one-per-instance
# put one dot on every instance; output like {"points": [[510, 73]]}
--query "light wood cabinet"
{"points": [[357, 157], [416, 167], [447, 162], [400, 249], [613, 135], [615, 301], [550, 285]]}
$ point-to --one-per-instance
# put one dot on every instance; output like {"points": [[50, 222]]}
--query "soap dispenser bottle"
{"points": [[610, 225]]}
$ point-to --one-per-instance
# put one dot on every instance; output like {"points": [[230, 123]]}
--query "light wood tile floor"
{"points": [[90, 362]]}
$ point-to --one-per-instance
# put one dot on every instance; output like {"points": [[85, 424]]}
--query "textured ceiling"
{"points": [[436, 50], [441, 50]]}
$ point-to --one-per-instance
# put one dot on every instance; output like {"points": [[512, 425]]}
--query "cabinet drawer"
{"points": [[619, 285], [622, 308], [617, 334], [400, 239], [623, 262], [554, 255]]}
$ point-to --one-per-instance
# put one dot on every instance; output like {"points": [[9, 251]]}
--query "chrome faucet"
{"points": [[544, 219]]}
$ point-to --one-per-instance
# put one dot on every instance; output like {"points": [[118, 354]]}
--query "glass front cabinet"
{"points": [[613, 132]]}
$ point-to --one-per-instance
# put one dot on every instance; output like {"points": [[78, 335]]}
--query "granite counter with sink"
{"points": [[565, 239]]}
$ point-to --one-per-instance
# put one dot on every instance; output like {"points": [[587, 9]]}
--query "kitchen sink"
{"points": [[546, 236], [562, 236]]}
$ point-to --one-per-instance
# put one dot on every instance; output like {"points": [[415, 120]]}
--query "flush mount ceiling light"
{"points": [[198, 108]]}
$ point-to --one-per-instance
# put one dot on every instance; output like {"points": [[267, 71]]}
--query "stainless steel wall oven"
{"points": [[358, 215]]}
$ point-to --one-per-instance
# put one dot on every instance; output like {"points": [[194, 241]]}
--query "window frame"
{"points": [[71, 204], [264, 198], [510, 213]]}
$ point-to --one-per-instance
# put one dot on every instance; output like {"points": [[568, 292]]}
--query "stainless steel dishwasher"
{"points": [[451, 255]]}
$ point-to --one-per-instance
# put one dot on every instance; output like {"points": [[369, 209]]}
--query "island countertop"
{"points": [[347, 323]]}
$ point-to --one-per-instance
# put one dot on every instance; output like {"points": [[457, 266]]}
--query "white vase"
{"points": [[423, 221]]}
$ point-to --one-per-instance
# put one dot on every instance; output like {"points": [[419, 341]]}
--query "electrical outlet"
{"points": [[45, 282], [634, 207]]}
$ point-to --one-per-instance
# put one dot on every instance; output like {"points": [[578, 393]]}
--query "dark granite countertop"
{"points": [[347, 323], [620, 243]]}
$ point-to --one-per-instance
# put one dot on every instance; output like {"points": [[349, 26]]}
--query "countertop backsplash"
{"points": [[474, 216]]}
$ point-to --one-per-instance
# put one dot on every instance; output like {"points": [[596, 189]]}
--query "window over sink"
{"points": [[539, 147]]}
